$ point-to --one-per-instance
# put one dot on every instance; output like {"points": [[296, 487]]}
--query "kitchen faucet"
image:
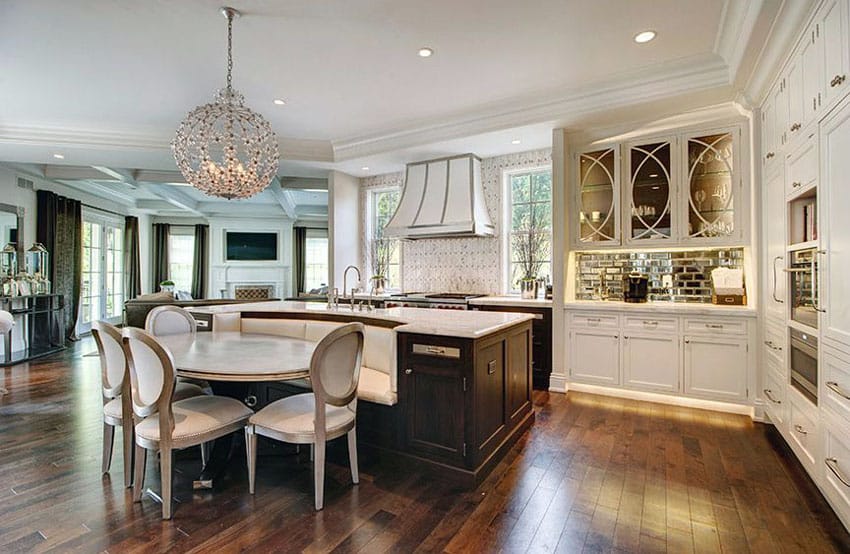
{"points": [[345, 283]]}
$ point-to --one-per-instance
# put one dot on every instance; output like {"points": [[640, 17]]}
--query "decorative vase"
{"points": [[379, 285], [528, 289]]}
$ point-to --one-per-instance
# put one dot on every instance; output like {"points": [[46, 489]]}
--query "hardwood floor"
{"points": [[594, 474]]}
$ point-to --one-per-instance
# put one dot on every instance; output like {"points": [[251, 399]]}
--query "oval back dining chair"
{"points": [[115, 384], [167, 426], [7, 321], [174, 320], [328, 412]]}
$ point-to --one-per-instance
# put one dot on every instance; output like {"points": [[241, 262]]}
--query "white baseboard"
{"points": [[557, 383], [687, 402]]}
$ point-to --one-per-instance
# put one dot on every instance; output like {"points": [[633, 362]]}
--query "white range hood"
{"points": [[442, 198]]}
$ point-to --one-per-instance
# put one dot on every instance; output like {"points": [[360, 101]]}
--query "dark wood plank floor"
{"points": [[593, 475]]}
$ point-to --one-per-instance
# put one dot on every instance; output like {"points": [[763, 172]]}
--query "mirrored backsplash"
{"points": [[689, 273]]}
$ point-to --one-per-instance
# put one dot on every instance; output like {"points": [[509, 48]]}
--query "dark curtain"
{"points": [[160, 254], [200, 264], [59, 227], [132, 263], [300, 262]]}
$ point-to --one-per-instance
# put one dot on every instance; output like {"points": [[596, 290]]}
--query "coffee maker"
{"points": [[635, 287]]}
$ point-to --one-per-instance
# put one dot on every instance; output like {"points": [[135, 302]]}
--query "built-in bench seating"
{"points": [[378, 374]]}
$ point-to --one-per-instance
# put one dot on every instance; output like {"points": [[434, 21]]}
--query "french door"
{"points": [[102, 296]]}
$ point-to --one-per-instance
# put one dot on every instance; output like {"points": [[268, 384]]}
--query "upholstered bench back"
{"points": [[379, 376]]}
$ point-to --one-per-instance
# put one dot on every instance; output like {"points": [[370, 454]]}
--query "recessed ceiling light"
{"points": [[644, 36], [364, 168], [516, 141], [59, 156], [279, 101], [426, 52]]}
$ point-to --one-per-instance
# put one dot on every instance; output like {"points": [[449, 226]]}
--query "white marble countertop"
{"points": [[426, 321], [662, 307], [506, 300]]}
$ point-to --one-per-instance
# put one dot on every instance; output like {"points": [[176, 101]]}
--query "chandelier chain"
{"points": [[229, 51]]}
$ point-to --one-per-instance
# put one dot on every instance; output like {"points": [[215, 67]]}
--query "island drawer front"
{"points": [[651, 323], [594, 320], [715, 326]]}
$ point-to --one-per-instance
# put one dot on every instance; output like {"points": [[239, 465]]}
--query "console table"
{"points": [[39, 326]]}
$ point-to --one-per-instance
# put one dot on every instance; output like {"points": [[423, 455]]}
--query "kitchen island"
{"points": [[458, 382]]}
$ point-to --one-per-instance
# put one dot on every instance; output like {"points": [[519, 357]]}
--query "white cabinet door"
{"points": [[769, 132], [774, 229], [780, 117], [794, 80], [595, 357], [811, 56], [716, 367], [651, 362], [834, 34], [834, 200]]}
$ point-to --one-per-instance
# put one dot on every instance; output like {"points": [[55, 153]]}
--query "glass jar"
{"points": [[37, 260], [9, 260]]}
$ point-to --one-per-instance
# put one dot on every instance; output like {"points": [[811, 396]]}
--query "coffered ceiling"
{"points": [[106, 82]]}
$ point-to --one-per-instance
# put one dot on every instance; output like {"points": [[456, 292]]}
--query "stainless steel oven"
{"points": [[804, 364], [804, 287]]}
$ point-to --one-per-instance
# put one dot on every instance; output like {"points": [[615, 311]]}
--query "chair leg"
{"points": [[7, 346], [108, 439], [205, 453], [352, 456], [312, 453], [319, 473], [251, 450], [166, 474], [139, 472], [127, 432]]}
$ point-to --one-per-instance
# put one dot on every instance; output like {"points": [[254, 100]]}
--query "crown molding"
{"points": [[738, 20], [667, 80]]}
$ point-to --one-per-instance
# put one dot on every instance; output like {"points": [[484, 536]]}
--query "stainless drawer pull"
{"points": [[832, 464], [799, 428], [441, 351], [837, 389], [593, 319], [795, 127], [650, 323], [769, 394], [796, 184], [714, 326], [837, 80]]}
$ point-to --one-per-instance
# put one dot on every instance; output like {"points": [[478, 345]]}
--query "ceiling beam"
{"points": [[73, 173], [120, 175], [283, 200], [103, 191], [173, 197], [156, 176], [303, 183]]}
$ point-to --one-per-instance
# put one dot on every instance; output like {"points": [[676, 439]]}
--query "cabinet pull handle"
{"points": [[769, 155], [769, 394], [616, 336], [687, 341], [815, 285], [799, 429], [814, 102], [593, 320], [650, 323], [837, 80], [832, 464], [408, 371], [796, 184], [837, 389], [250, 401], [714, 326], [795, 127], [491, 367], [775, 299]]}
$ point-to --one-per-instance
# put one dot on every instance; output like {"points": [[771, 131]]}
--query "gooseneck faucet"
{"points": [[345, 283]]}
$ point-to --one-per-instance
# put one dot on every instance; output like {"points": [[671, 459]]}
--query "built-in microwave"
{"points": [[804, 364], [804, 287]]}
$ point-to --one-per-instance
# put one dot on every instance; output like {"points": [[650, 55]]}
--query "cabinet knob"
{"points": [[799, 428], [250, 401], [408, 371], [795, 127], [769, 155], [687, 341], [796, 184]]}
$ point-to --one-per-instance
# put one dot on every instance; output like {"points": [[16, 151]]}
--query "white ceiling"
{"points": [[106, 82]]}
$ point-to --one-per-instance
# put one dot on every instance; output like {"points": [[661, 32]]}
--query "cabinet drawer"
{"points": [[836, 466], [835, 390], [773, 345], [644, 324], [775, 398], [715, 326], [802, 165], [803, 430], [595, 321]]}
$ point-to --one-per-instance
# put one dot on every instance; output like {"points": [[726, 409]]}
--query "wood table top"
{"points": [[234, 356]]}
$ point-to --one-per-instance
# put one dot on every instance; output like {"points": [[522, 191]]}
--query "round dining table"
{"points": [[230, 362]]}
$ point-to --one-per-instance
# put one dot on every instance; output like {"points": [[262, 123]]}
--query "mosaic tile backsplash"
{"points": [[690, 271]]}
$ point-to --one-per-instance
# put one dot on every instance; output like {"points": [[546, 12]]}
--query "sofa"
{"points": [[378, 372], [136, 310]]}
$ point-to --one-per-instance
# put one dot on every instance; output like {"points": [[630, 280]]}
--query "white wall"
{"points": [[344, 228]]}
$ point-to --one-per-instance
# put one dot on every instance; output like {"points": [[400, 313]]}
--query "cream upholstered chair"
{"points": [[174, 320], [7, 321], [116, 395], [167, 426], [328, 412]]}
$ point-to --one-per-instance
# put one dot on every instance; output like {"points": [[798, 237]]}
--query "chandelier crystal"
{"points": [[224, 148]]}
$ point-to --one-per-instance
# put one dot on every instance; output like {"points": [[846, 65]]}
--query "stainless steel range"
{"points": [[438, 300]]}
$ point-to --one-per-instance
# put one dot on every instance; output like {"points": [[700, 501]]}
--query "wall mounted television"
{"points": [[243, 247]]}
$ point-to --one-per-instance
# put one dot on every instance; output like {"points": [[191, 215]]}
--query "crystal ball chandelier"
{"points": [[224, 148]]}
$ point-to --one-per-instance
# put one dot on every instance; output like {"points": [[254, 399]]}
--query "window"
{"points": [[529, 214], [102, 296], [316, 259], [181, 256], [385, 253]]}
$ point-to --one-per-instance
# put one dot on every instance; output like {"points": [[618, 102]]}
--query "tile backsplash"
{"points": [[690, 271]]}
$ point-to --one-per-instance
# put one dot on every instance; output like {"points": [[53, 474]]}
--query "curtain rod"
{"points": [[102, 210]]}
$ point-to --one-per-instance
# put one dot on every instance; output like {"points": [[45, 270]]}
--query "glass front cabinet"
{"points": [[681, 190]]}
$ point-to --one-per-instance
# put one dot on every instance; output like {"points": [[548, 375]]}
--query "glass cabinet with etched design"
{"points": [[650, 196], [598, 196]]}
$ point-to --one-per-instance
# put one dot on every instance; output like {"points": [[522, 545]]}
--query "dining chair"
{"points": [[330, 411], [166, 426], [7, 321], [115, 385], [174, 320]]}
